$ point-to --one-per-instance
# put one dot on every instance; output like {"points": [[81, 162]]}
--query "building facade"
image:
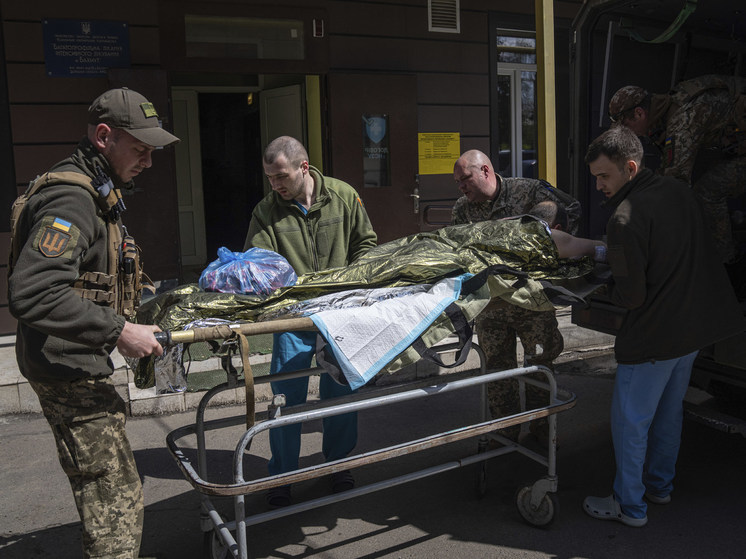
{"points": [[370, 86]]}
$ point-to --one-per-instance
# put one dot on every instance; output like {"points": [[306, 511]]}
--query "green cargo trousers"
{"points": [[87, 418], [497, 328]]}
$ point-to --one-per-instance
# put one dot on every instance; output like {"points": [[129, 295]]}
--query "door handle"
{"points": [[416, 199]]}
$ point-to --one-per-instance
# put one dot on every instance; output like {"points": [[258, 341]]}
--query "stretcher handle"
{"points": [[223, 331]]}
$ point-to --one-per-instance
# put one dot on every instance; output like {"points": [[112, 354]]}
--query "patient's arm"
{"points": [[575, 247]]}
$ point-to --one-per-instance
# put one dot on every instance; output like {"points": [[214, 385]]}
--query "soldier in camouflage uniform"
{"points": [[65, 335], [487, 195], [700, 128]]}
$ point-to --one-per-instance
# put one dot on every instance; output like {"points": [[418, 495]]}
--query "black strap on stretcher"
{"points": [[248, 374]]}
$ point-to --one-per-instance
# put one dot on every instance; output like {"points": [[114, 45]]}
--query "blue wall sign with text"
{"points": [[84, 49]]}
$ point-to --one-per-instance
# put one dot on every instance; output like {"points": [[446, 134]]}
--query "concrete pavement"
{"points": [[437, 517]]}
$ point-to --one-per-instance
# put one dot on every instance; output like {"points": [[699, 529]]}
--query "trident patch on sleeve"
{"points": [[56, 237]]}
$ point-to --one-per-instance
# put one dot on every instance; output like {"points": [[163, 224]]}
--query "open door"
{"points": [[393, 208], [218, 169], [282, 111], [189, 178], [281, 114]]}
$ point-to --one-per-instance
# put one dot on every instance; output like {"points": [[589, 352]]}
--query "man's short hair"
{"points": [[619, 144], [552, 213], [288, 146]]}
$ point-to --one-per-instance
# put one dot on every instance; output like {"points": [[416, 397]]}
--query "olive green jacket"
{"points": [[60, 335], [335, 231]]}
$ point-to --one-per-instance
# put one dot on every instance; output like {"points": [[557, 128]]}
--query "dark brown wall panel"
{"points": [[32, 161], [453, 89], [434, 56], [375, 20], [145, 47], [405, 55], [23, 41], [363, 53], [48, 123], [28, 83], [469, 121], [136, 12]]}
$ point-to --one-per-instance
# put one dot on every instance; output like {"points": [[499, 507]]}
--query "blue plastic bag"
{"points": [[256, 272]]}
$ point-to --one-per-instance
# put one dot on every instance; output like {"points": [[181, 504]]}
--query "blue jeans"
{"points": [[293, 351], [646, 417]]}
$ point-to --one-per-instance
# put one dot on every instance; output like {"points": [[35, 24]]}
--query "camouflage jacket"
{"points": [[516, 196], [704, 112]]}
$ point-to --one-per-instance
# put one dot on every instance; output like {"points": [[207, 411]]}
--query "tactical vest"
{"points": [[121, 286]]}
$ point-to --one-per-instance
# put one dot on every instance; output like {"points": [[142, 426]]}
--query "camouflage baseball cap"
{"points": [[128, 110], [624, 99]]}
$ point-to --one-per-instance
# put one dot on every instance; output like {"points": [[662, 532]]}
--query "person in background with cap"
{"points": [[700, 128], [65, 337]]}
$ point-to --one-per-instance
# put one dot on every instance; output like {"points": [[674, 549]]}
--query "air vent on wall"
{"points": [[443, 16]]}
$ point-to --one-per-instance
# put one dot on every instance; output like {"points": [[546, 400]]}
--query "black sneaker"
{"points": [[278, 497], [342, 481]]}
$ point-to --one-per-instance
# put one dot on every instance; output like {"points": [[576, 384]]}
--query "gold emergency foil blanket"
{"points": [[521, 243]]}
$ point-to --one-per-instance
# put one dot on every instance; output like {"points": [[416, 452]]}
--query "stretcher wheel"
{"points": [[544, 514], [214, 548]]}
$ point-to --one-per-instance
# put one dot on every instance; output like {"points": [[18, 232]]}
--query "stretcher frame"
{"points": [[536, 503]]}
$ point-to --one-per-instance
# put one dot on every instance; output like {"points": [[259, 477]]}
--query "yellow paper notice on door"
{"points": [[437, 152]]}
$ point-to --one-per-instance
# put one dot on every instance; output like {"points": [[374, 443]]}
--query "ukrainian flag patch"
{"points": [[56, 237], [61, 224], [668, 150]]}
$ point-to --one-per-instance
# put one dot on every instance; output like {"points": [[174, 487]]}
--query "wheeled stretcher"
{"points": [[228, 538]]}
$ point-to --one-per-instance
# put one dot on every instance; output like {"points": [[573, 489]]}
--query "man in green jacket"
{"points": [[315, 222], [67, 293]]}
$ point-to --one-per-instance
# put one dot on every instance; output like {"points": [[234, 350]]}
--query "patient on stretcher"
{"points": [[522, 247]]}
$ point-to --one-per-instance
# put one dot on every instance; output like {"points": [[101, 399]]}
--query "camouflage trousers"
{"points": [[497, 327], [725, 179], [87, 418]]}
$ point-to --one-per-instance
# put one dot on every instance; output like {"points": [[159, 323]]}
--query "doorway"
{"points": [[230, 141], [516, 102], [220, 177]]}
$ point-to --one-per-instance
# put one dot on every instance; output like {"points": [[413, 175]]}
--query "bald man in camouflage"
{"points": [[487, 195], [700, 128]]}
